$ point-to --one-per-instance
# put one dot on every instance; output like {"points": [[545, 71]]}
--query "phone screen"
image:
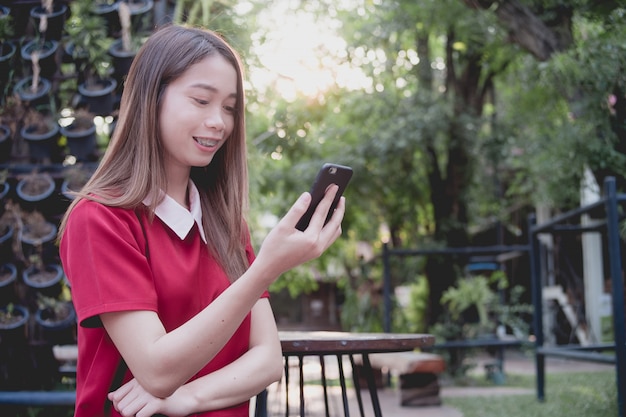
{"points": [[329, 174]]}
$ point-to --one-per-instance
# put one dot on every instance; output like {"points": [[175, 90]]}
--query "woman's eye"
{"points": [[230, 109], [201, 101]]}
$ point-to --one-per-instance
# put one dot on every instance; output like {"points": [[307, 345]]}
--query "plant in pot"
{"points": [[88, 44], [45, 51], [13, 319], [80, 131], [49, 19], [43, 278], [124, 49], [75, 177], [107, 10], [34, 90], [42, 132], [56, 318], [34, 237], [34, 190], [140, 15], [13, 148]]}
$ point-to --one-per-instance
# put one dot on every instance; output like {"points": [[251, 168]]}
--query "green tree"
{"points": [[573, 89], [434, 67], [474, 109]]}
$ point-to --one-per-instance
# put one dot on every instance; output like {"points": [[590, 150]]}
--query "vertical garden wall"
{"points": [[62, 68]]}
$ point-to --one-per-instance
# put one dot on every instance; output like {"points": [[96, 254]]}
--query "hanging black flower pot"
{"points": [[98, 96], [38, 237], [47, 55], [39, 242], [75, 179], [140, 14], [81, 138], [41, 206], [5, 144], [42, 142], [122, 61], [8, 278], [108, 11], [34, 97], [34, 190], [13, 320], [57, 322], [47, 281], [40, 201], [55, 20]]}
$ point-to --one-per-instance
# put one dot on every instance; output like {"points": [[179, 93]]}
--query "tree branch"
{"points": [[525, 28]]}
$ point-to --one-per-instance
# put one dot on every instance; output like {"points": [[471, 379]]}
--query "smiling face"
{"points": [[197, 114]]}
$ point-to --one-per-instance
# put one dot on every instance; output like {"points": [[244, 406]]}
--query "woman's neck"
{"points": [[179, 191]]}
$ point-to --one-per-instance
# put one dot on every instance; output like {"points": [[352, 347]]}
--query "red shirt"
{"points": [[103, 251]]}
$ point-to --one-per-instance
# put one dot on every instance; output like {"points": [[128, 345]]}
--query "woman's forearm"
{"points": [[244, 378], [227, 387], [233, 384]]}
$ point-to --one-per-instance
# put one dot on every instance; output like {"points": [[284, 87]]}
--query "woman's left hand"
{"points": [[132, 400]]}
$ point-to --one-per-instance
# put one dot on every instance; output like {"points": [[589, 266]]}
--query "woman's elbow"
{"points": [[159, 387], [160, 381]]}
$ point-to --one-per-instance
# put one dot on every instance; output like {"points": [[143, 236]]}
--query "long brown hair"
{"points": [[132, 167]]}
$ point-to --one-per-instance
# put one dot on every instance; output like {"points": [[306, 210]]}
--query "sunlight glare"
{"points": [[301, 55]]}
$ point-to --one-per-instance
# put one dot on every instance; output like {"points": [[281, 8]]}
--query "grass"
{"points": [[588, 394]]}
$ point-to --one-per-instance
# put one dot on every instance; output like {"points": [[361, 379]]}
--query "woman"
{"points": [[156, 248]]}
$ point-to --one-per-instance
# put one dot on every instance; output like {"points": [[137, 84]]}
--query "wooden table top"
{"points": [[327, 342]]}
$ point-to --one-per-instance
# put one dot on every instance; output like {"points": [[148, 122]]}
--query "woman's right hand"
{"points": [[286, 247], [132, 400]]}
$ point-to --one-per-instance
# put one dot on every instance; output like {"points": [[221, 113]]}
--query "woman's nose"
{"points": [[215, 119]]}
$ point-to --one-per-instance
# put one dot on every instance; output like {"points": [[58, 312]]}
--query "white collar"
{"points": [[177, 217]]}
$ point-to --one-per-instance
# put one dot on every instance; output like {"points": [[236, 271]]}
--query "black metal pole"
{"points": [[537, 298], [386, 289], [617, 288]]}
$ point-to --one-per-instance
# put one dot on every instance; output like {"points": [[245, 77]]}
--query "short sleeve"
{"points": [[103, 255]]}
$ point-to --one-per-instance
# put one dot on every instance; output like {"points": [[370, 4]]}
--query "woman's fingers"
{"points": [[302, 204], [125, 399], [321, 212], [298, 209], [332, 230]]}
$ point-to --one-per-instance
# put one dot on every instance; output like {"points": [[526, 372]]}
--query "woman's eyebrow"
{"points": [[210, 88]]}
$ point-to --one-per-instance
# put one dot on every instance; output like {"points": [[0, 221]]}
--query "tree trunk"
{"points": [[448, 188]]}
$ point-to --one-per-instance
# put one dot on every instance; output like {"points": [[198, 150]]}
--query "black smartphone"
{"points": [[329, 174]]}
